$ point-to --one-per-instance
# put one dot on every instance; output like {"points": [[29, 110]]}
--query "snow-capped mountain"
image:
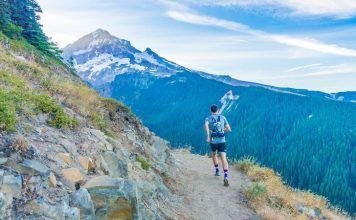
{"points": [[99, 57]]}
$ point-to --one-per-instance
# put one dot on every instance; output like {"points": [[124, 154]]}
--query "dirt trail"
{"points": [[204, 195]]}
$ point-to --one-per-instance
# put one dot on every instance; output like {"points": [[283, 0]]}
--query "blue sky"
{"points": [[289, 43]]}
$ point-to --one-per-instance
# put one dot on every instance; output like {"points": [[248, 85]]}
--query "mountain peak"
{"points": [[149, 51], [95, 39], [101, 33]]}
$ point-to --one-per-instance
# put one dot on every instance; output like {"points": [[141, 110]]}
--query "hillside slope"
{"points": [[66, 152]]}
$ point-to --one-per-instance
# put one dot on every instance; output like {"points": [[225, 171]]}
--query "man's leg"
{"points": [[215, 159], [224, 162], [222, 150], [216, 162], [225, 167]]}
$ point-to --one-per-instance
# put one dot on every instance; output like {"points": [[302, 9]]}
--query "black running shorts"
{"points": [[218, 147]]}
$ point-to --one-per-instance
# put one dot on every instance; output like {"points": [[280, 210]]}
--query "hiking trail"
{"points": [[204, 196]]}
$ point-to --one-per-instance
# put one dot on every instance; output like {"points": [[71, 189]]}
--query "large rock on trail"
{"points": [[114, 198]]}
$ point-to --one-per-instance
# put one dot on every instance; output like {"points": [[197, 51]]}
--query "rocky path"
{"points": [[204, 196]]}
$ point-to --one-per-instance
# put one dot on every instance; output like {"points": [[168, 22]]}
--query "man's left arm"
{"points": [[227, 126]]}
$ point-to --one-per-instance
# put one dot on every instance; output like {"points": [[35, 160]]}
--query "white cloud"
{"points": [[193, 18], [302, 67], [309, 44], [313, 70], [312, 44], [333, 8]]}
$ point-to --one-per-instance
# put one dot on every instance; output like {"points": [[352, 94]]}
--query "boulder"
{"points": [[113, 165], [103, 182], [52, 180], [65, 157], [3, 160], [82, 200], [36, 167], [60, 211], [86, 163], [73, 175], [28, 167], [114, 198], [12, 185]]}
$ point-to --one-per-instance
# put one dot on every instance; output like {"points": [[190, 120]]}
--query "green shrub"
{"points": [[144, 163], [59, 119], [256, 191], [7, 113], [99, 120], [45, 104], [62, 120]]}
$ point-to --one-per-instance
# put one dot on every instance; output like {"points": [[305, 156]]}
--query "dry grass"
{"points": [[274, 200], [20, 145]]}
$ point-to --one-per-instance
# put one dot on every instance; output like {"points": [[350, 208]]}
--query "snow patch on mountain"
{"points": [[340, 98], [101, 62], [228, 101], [145, 56], [281, 91]]}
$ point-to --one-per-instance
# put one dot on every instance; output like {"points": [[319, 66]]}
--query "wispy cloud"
{"points": [[312, 44], [333, 8], [194, 18], [307, 71], [302, 67], [191, 17]]}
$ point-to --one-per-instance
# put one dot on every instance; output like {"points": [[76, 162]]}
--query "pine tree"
{"points": [[25, 14], [4, 14]]}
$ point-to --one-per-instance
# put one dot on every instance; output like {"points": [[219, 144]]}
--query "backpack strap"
{"points": [[213, 119], [219, 118]]}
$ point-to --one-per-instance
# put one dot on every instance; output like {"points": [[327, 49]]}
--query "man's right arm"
{"points": [[207, 131]]}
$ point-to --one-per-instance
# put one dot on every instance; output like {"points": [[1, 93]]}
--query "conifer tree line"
{"points": [[21, 19]]}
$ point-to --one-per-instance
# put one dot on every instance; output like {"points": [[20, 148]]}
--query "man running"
{"points": [[215, 126]]}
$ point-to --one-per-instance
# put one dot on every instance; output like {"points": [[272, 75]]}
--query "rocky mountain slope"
{"points": [[67, 153]]}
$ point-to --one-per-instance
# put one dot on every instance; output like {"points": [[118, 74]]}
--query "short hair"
{"points": [[214, 108]]}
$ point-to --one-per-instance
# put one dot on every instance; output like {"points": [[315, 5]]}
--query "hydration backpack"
{"points": [[218, 129]]}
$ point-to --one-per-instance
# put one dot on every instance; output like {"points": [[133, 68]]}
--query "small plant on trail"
{"points": [[257, 191], [144, 163]]}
